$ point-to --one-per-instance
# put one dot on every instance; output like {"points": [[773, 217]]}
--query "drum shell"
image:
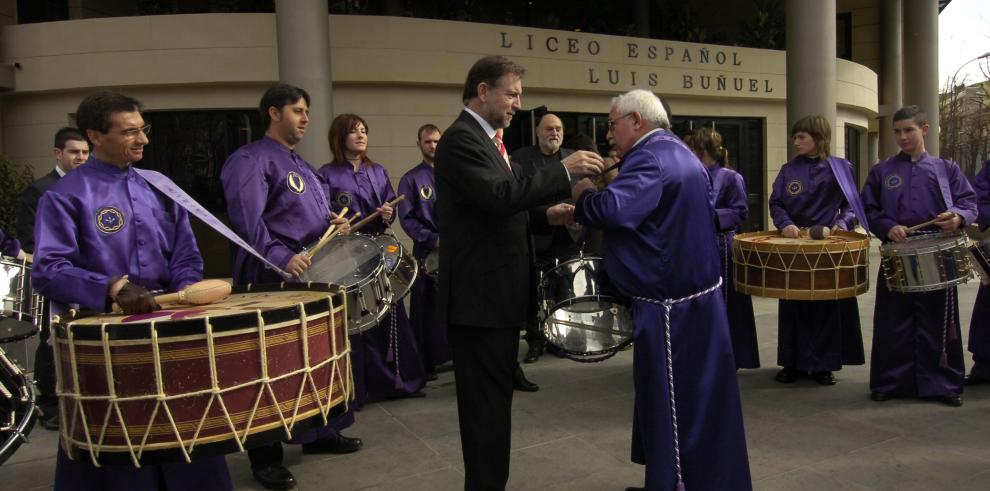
{"points": [[17, 299], [765, 266], [125, 369], [582, 313], [401, 267], [927, 262]]}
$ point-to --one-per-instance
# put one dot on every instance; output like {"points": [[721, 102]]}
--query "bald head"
{"points": [[550, 134]]}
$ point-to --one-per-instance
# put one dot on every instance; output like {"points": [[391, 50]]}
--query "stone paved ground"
{"points": [[574, 433]]}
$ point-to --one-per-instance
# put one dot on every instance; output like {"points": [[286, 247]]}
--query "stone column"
{"points": [[810, 62], [891, 32], [303, 28], [921, 65]]}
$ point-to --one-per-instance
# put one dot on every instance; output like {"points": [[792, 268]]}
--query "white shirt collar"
{"points": [[645, 136], [61, 173], [484, 124]]}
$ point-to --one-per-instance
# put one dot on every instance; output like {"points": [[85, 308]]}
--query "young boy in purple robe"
{"points": [[659, 228], [979, 325], [416, 214], [104, 235], [278, 204], [387, 354], [815, 337], [731, 211], [917, 347]]}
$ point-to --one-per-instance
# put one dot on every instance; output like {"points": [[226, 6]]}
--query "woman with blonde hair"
{"points": [[816, 337], [731, 212]]}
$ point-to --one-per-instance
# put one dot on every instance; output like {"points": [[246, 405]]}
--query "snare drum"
{"points": [[399, 264], [177, 385], [355, 263], [17, 410], [979, 252], [767, 264], [19, 302], [582, 314], [926, 262]]}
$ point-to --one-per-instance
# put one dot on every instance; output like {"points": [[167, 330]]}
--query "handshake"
{"points": [[579, 164]]}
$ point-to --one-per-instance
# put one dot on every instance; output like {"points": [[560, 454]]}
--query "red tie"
{"points": [[501, 150]]}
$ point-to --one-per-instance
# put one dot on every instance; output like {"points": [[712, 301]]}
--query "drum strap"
{"points": [[667, 305], [943, 182], [168, 188], [843, 175]]}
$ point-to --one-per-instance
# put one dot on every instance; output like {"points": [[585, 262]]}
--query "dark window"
{"points": [[853, 142], [190, 147], [844, 36]]}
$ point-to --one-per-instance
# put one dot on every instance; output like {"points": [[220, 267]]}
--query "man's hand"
{"points": [[791, 231], [580, 187], [898, 233], [948, 221], [297, 265], [341, 223], [386, 211], [583, 163], [561, 214], [135, 299]]}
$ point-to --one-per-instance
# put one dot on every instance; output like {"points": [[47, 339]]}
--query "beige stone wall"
{"points": [[398, 73], [8, 12]]}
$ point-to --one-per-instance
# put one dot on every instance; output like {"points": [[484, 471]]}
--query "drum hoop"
{"points": [[26, 423], [855, 242]]}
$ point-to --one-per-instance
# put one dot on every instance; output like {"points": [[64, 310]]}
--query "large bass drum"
{"points": [[582, 315]]}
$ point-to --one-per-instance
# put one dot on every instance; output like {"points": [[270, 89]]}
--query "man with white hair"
{"points": [[660, 230], [549, 242]]}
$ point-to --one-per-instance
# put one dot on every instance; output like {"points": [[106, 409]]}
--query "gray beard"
{"points": [[549, 148]]}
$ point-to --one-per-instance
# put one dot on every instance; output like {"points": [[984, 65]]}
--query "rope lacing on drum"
{"points": [[667, 305]]}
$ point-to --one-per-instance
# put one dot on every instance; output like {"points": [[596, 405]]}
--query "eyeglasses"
{"points": [[611, 123], [133, 132]]}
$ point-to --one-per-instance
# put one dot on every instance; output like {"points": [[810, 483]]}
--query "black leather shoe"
{"points": [[274, 477], [49, 422], [825, 378], [954, 400], [975, 379], [786, 375], [431, 376], [534, 353], [520, 382], [337, 444], [633, 488], [879, 396]]}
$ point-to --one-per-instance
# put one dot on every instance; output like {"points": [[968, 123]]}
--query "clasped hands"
{"points": [[581, 163]]}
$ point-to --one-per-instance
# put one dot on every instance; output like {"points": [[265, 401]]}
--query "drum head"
{"points": [[347, 260]]}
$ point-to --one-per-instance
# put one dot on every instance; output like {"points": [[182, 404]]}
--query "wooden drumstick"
{"points": [[376, 214], [199, 293], [326, 235], [922, 225], [331, 233]]}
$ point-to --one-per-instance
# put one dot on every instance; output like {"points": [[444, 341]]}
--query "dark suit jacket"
{"points": [[549, 241], [484, 226], [27, 208]]}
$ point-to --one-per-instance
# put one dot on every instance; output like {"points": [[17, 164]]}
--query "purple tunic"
{"points": [[979, 325], [96, 223], [909, 356], [9, 246], [416, 217], [820, 335], [391, 366], [659, 230], [731, 211], [276, 203]]}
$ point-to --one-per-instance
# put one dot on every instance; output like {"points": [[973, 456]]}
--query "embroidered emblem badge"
{"points": [[296, 183], [109, 220], [795, 187], [426, 192]]}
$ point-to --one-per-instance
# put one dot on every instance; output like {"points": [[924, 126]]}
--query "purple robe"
{"points": [[391, 366], [660, 234], [820, 335], [979, 325], [909, 356], [9, 246], [731, 211], [416, 217], [96, 223], [276, 203]]}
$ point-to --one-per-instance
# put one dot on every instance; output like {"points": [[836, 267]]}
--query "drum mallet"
{"points": [[816, 232], [199, 293], [922, 225], [366, 220]]}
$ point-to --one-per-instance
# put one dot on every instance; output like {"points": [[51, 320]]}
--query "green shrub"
{"points": [[13, 179]]}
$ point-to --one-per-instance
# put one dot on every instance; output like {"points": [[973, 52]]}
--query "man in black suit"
{"points": [[482, 208], [71, 150], [550, 243]]}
